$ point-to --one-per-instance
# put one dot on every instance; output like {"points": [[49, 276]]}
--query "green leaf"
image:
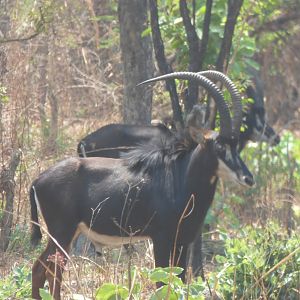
{"points": [[252, 63], [196, 291], [45, 295], [165, 292], [220, 259], [109, 291], [177, 21], [159, 275], [146, 32], [164, 275], [173, 270]]}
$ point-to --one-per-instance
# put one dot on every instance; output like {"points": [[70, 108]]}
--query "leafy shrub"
{"points": [[260, 263], [20, 239], [275, 163], [174, 288], [17, 285]]}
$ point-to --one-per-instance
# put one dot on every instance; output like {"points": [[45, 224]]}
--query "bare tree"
{"points": [[197, 47], [42, 61], [233, 11], [137, 61], [163, 65]]}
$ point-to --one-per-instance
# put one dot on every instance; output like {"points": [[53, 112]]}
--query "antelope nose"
{"points": [[249, 180]]}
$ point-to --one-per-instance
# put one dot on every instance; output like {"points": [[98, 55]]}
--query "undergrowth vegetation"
{"points": [[257, 263], [260, 263]]}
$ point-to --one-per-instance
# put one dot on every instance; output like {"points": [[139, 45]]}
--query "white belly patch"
{"points": [[108, 240]]}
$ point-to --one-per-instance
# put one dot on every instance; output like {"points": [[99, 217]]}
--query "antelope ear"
{"points": [[210, 134], [196, 118], [199, 135], [195, 123]]}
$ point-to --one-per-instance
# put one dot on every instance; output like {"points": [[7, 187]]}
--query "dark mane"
{"points": [[160, 162], [148, 157]]}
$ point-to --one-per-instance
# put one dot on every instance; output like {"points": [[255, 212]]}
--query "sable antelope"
{"points": [[256, 127], [113, 139], [158, 192]]}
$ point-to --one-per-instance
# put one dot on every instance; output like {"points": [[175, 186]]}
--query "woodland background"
{"points": [[62, 76]]}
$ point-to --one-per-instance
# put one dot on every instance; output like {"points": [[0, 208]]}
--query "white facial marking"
{"points": [[226, 173], [108, 240]]}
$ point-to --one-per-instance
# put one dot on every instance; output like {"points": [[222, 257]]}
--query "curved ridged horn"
{"points": [[235, 96], [213, 90]]}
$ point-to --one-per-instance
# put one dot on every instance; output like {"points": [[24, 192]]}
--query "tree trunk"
{"points": [[53, 131], [137, 61], [233, 11], [42, 60], [197, 48], [3, 62], [4, 29], [194, 55], [52, 96], [7, 185]]}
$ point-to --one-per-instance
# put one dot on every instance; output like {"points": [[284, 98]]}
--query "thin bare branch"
{"points": [[163, 66]]}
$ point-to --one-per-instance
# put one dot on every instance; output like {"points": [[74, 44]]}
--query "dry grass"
{"points": [[111, 267]]}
